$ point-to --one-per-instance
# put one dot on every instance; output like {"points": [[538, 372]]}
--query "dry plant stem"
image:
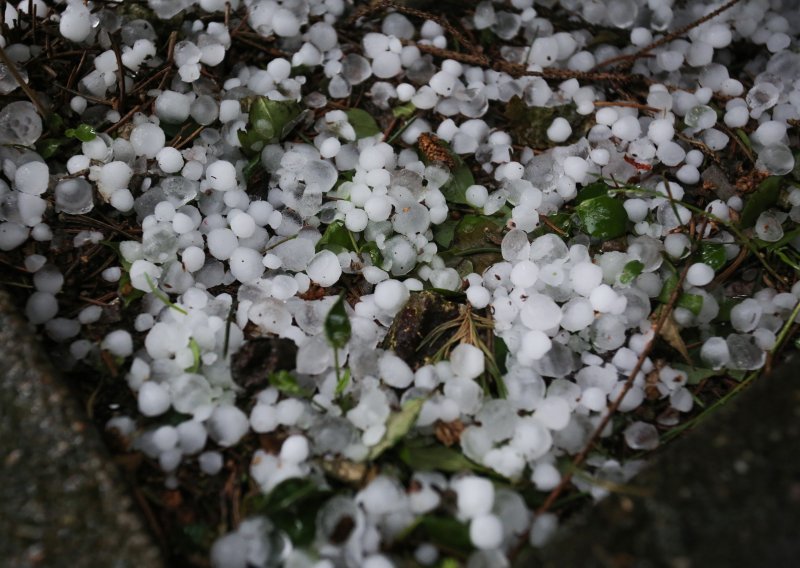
{"points": [[629, 59], [12, 68], [629, 104]]}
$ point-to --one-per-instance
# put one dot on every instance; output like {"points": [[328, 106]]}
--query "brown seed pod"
{"points": [[431, 147]]}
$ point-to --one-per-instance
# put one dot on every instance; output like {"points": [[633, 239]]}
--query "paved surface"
{"points": [[62, 502], [727, 495]]}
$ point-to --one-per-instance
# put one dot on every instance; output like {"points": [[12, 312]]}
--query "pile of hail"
{"points": [[396, 274]]}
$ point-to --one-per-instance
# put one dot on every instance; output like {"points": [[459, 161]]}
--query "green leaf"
{"points": [[713, 254], [195, 347], [84, 133], [285, 382], [268, 122], [397, 426], [47, 147], [437, 458], [764, 197], [697, 374], [591, 191], [446, 532], [362, 122], [455, 190], [630, 271], [337, 325], [336, 238], [342, 383], [404, 111], [691, 302], [603, 217], [443, 233], [500, 353], [371, 248], [292, 506], [125, 290]]}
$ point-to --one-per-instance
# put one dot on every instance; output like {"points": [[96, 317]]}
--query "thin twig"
{"points": [[12, 68]]}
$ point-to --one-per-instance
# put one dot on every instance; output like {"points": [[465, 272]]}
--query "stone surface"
{"points": [[728, 494], [62, 502]]}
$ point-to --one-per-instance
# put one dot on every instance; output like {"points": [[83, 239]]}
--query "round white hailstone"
{"points": [[147, 140], [371, 158], [226, 425], [576, 168], [386, 65], [594, 398], [605, 299], [559, 130], [554, 412], [477, 195], [545, 476], [467, 361], [32, 178], [263, 418], [675, 244], [182, 223], [243, 226], [443, 83], [636, 209], [221, 175], [535, 344], [377, 561], [475, 496], [222, 243], [600, 156], [169, 160], [172, 107], [736, 117], [486, 532], [391, 295], [524, 274], [478, 296], [246, 264], [165, 438], [41, 307], [356, 220], [193, 258], [688, 174], [394, 371], [295, 449], [540, 312], [778, 42], [770, 132], [122, 200], [627, 128], [670, 153], [378, 208], [405, 91], [153, 399], [114, 175], [330, 147], [585, 277], [745, 315], [76, 22], [210, 462], [119, 343], [324, 268], [660, 130], [191, 436], [699, 274], [285, 23]]}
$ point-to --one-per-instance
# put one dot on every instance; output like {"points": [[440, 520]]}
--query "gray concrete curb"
{"points": [[62, 501]]}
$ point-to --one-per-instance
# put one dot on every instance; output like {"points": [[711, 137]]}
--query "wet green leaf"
{"points": [[47, 147], [692, 302], [336, 238], [713, 254], [285, 382], [362, 122], [455, 190], [443, 233], [84, 133], [268, 121], [764, 197], [437, 458], [446, 532], [697, 374], [195, 347], [404, 111], [603, 217], [591, 191], [630, 271], [375, 255], [342, 383], [337, 325], [397, 426]]}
